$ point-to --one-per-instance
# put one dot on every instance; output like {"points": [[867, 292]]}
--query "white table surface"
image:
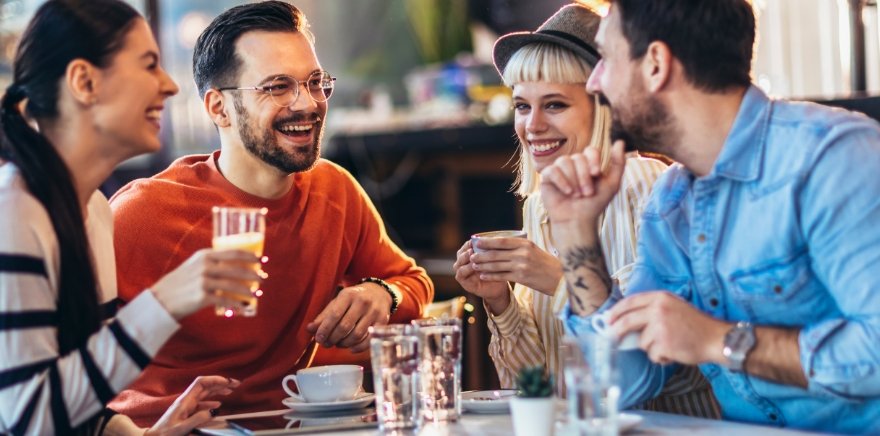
{"points": [[654, 423]]}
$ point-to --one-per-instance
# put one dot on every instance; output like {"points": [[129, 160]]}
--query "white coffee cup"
{"points": [[495, 234], [323, 384], [602, 326]]}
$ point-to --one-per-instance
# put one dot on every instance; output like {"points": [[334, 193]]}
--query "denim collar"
{"points": [[741, 155]]}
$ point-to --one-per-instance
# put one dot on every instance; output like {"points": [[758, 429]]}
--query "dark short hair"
{"points": [[713, 39], [215, 62]]}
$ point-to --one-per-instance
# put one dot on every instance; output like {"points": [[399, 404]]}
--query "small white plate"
{"points": [[300, 406], [625, 422], [487, 401], [628, 421]]}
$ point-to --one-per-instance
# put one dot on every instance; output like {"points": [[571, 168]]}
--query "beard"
{"points": [[266, 147], [647, 126]]}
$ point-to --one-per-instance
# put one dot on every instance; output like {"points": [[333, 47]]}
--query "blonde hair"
{"points": [[548, 62]]}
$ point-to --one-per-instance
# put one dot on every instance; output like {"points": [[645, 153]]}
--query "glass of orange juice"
{"points": [[240, 228]]}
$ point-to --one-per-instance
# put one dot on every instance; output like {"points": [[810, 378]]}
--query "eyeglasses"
{"points": [[284, 90]]}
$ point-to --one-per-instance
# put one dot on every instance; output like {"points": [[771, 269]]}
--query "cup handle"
{"points": [[600, 323], [288, 390]]}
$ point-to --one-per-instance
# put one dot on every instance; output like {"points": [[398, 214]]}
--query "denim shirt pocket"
{"points": [[836, 381], [776, 286]]}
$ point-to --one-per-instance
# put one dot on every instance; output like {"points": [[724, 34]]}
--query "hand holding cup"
{"points": [[603, 327]]}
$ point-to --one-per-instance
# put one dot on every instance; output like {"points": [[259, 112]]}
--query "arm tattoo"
{"points": [[587, 277]]}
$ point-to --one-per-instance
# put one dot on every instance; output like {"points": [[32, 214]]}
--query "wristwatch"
{"points": [[395, 295], [738, 342]]}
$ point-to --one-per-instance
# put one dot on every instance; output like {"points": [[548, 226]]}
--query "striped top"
{"points": [[528, 332], [40, 391]]}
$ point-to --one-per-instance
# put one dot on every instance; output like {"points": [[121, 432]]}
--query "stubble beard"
{"points": [[266, 148], [647, 125]]}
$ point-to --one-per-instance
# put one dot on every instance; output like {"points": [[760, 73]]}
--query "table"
{"points": [[654, 423]]}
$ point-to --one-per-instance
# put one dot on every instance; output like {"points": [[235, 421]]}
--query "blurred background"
{"points": [[420, 118]]}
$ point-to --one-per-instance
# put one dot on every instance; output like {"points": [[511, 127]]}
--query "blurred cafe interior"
{"points": [[420, 118]]}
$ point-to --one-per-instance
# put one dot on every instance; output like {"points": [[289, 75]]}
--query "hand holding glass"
{"points": [[240, 229]]}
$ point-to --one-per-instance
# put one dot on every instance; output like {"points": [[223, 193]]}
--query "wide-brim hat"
{"points": [[573, 26]]}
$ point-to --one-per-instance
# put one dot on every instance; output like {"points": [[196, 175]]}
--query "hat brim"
{"points": [[508, 44]]}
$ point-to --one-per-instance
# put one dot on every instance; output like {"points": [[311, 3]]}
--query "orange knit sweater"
{"points": [[325, 232]]}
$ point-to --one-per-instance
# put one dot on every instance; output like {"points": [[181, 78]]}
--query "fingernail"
{"points": [[320, 338]]}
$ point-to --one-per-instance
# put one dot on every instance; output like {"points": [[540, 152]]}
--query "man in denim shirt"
{"points": [[759, 253]]}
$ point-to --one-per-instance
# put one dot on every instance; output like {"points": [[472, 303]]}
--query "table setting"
{"points": [[417, 378]]}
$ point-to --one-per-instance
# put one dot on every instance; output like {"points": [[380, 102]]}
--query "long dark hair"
{"points": [[61, 31]]}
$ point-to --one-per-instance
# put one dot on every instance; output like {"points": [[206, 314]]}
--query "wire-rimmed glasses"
{"points": [[284, 90]]}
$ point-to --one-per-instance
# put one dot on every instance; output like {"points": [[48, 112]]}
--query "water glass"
{"points": [[591, 384], [440, 368], [394, 351], [240, 228]]}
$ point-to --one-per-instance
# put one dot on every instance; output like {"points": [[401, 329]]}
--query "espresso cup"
{"points": [[602, 326], [324, 384], [495, 234]]}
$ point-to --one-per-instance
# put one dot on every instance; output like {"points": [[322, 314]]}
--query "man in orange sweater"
{"points": [[263, 87]]}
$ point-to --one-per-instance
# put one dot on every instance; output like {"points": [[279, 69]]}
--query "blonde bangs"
{"points": [[552, 63], [545, 62]]}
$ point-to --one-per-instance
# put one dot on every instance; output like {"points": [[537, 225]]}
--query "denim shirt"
{"points": [[784, 231]]}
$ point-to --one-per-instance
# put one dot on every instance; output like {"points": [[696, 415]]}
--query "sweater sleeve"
{"points": [[41, 391], [516, 342], [376, 255]]}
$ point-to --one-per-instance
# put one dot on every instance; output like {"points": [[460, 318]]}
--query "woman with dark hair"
{"points": [[87, 93]]}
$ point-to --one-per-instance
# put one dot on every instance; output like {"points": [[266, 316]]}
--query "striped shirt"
{"points": [[42, 392], [529, 333]]}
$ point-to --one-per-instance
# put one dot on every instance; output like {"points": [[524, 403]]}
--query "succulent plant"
{"points": [[534, 382]]}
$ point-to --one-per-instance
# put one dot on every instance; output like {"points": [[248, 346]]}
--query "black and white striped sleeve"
{"points": [[42, 392]]}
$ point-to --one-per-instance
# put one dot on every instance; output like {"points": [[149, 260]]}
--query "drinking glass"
{"points": [[440, 368], [394, 351], [239, 228], [591, 384]]}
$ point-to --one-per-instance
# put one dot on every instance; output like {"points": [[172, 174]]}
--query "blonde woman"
{"points": [[554, 116]]}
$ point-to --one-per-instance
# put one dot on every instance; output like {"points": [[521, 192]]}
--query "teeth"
{"points": [[544, 147], [154, 113], [296, 128]]}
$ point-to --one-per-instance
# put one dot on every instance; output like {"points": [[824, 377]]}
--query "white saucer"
{"points": [[496, 401], [628, 421], [625, 423], [359, 402]]}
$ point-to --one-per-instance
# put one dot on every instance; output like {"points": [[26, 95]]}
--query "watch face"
{"points": [[739, 341]]}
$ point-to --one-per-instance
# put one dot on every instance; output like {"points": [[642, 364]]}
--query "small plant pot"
{"points": [[533, 416]]}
